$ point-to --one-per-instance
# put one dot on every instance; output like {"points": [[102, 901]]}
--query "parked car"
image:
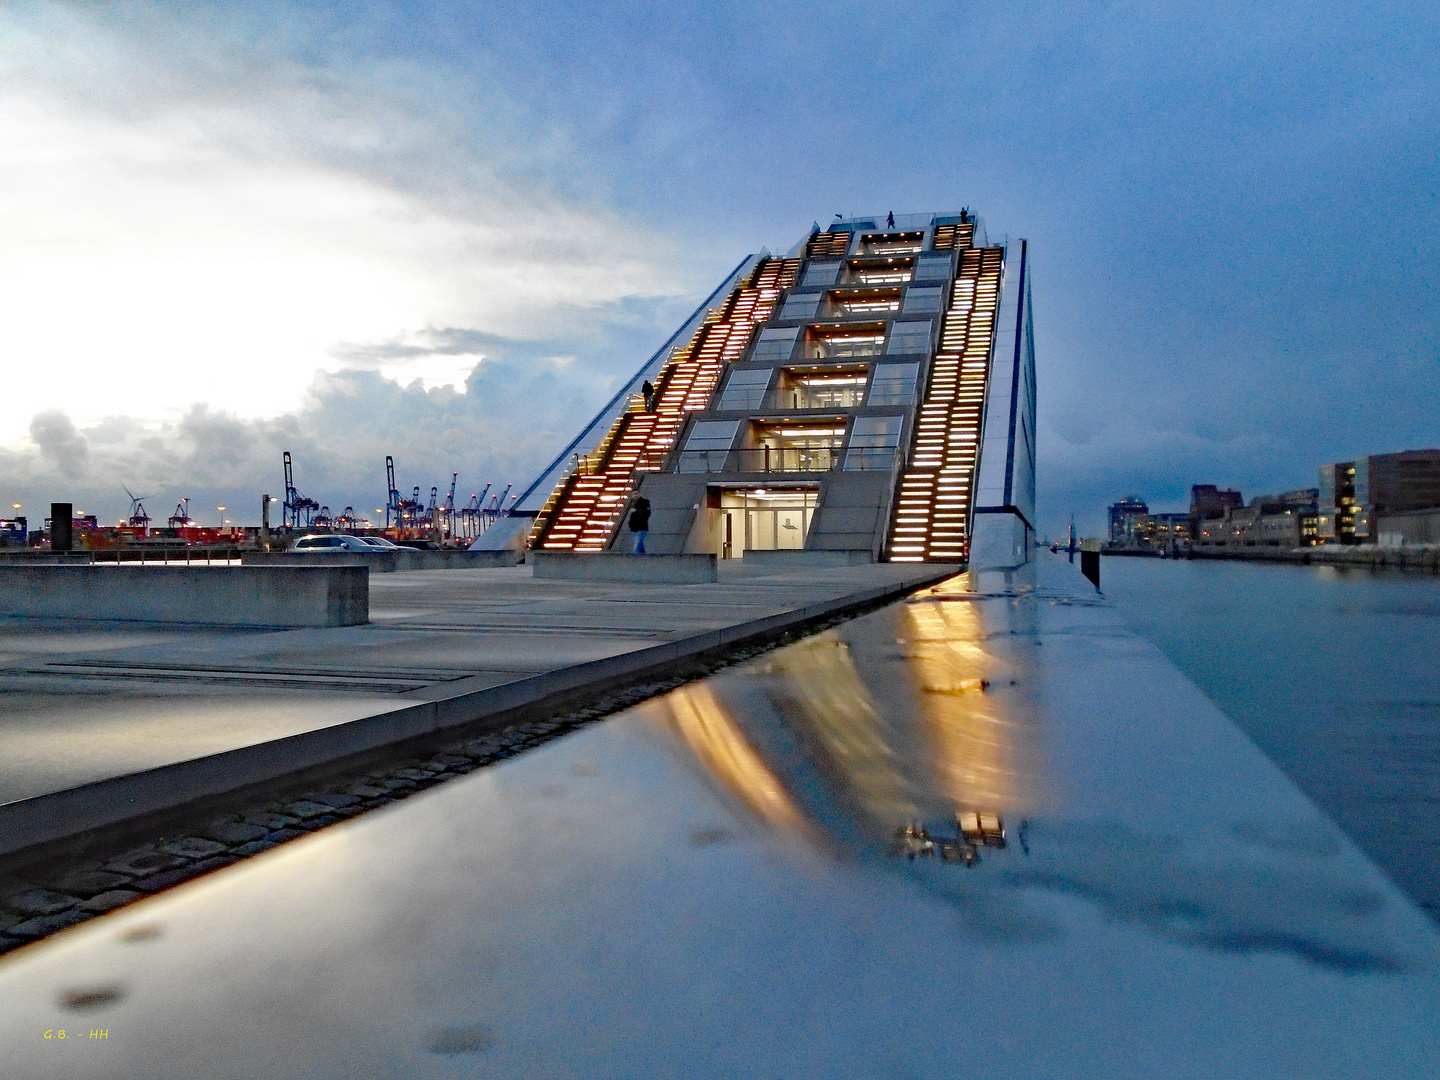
{"points": [[379, 542], [421, 545], [332, 545]]}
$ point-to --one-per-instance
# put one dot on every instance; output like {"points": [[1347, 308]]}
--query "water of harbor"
{"points": [[1335, 674]]}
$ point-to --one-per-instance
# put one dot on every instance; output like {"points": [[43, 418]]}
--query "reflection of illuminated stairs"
{"points": [[582, 513], [932, 509]]}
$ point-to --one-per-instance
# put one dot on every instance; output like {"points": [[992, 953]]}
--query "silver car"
{"points": [[339, 545]]}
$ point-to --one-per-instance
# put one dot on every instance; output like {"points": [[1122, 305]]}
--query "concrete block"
{"points": [[615, 566], [781, 561], [388, 562], [850, 519], [842, 541], [507, 534], [275, 596]]}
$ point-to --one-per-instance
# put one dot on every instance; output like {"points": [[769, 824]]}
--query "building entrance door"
{"points": [[764, 520]]}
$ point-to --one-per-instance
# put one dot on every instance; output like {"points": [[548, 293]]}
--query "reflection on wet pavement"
{"points": [[907, 739], [717, 743]]}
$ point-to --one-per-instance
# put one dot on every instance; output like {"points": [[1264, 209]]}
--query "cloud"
{"points": [[502, 421], [61, 446], [204, 207]]}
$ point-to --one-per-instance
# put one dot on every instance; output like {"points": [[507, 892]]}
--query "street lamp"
{"points": [[222, 515]]}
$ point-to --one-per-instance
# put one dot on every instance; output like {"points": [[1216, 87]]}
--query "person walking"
{"points": [[890, 220], [648, 389], [640, 522]]}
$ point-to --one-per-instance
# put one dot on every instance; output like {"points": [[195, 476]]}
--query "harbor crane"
{"points": [[297, 510], [401, 513], [181, 518], [447, 508], [392, 493], [139, 519]]}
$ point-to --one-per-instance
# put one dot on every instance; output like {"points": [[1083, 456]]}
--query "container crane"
{"points": [[181, 518], [139, 519], [296, 505], [447, 508], [392, 493]]}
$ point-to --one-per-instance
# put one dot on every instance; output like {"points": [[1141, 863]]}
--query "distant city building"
{"points": [[1169, 532], [1207, 501], [1124, 516], [1285, 520], [1354, 495]]}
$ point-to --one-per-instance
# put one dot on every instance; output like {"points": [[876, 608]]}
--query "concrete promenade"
{"points": [[100, 723], [713, 883]]}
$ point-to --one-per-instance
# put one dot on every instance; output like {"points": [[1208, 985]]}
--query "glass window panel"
{"points": [[874, 443], [894, 384], [802, 306], [910, 337], [712, 435], [820, 392], [821, 273], [746, 388], [708, 446], [776, 344], [933, 268], [922, 300]]}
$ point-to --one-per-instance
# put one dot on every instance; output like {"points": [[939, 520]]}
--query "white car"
{"points": [[339, 545]]}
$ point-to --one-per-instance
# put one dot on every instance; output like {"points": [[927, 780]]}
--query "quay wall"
{"points": [[1370, 556]]}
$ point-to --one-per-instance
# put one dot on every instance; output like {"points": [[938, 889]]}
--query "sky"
{"points": [[448, 231]]}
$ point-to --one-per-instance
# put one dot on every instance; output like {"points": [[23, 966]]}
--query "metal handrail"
{"points": [[789, 459]]}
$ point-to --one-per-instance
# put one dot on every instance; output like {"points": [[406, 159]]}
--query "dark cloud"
{"points": [[61, 446]]}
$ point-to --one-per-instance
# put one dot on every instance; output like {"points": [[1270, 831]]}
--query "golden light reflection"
{"points": [[972, 738], [843, 719], [710, 733]]}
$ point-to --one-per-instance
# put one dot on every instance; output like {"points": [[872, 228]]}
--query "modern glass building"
{"points": [[870, 396], [1354, 494]]}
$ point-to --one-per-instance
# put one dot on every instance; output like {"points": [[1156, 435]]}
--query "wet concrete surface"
{"points": [[985, 831]]}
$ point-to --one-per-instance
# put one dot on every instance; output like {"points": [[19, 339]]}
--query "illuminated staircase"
{"points": [[585, 509], [828, 245], [930, 521]]}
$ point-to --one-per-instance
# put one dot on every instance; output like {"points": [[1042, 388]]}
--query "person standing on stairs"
{"points": [[640, 522]]}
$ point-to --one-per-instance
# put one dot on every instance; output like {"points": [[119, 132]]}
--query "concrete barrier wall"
{"points": [[276, 596], [793, 560], [614, 566], [386, 562]]}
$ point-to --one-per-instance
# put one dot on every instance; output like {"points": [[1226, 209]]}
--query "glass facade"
{"points": [[873, 403]]}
